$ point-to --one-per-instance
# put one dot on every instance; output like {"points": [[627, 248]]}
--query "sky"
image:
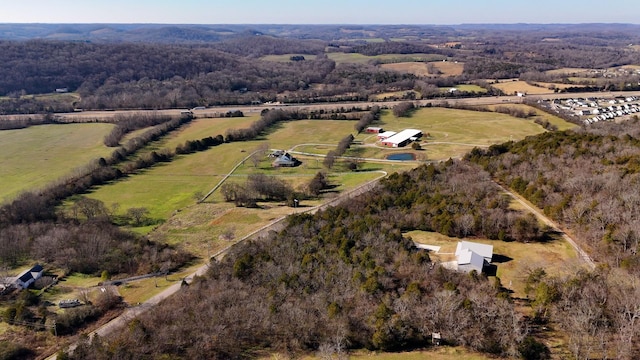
{"points": [[437, 12]]}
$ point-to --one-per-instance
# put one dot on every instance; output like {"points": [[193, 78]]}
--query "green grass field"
{"points": [[454, 132], [169, 187], [36, 156], [201, 128], [179, 180], [561, 124]]}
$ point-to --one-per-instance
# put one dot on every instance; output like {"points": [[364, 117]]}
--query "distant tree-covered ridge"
{"points": [[152, 76]]}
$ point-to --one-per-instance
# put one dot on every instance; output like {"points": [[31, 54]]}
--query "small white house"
{"points": [[469, 261], [473, 256], [28, 277]]}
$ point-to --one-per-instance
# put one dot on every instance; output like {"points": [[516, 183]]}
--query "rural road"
{"points": [[216, 111], [581, 253]]}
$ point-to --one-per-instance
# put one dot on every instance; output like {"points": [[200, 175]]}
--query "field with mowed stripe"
{"points": [[34, 157]]}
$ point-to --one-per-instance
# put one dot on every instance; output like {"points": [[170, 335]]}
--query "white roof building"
{"points": [[473, 256], [486, 251], [402, 138], [386, 135], [469, 261]]}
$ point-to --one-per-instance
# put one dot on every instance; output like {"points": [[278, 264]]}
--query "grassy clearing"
{"points": [[286, 57], [396, 94], [467, 88], [556, 257], [358, 58], [578, 79], [415, 68], [438, 353], [568, 71], [140, 291], [62, 97], [202, 128], [445, 68], [471, 88], [512, 87], [33, 157], [80, 280], [553, 86], [449, 68], [560, 123], [452, 130]]}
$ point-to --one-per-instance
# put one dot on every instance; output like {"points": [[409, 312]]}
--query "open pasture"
{"points": [[459, 129], [553, 86], [203, 127], [168, 187], [569, 71], [511, 87], [415, 68], [358, 58], [396, 94], [560, 123], [467, 88], [36, 156], [440, 68], [449, 68]]}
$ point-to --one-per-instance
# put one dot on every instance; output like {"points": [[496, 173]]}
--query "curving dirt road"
{"points": [[552, 224]]}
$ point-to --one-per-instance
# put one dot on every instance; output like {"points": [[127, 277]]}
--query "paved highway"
{"points": [[256, 109]]}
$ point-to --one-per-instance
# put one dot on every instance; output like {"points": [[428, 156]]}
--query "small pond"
{"points": [[401, 156]]}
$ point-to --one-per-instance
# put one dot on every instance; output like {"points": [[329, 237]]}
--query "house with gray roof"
{"points": [[473, 256]]}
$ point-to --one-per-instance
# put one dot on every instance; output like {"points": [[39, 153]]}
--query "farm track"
{"points": [[552, 224]]}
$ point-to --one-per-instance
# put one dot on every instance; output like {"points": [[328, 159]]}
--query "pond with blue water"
{"points": [[402, 156]]}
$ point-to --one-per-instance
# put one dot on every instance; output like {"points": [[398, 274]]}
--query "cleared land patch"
{"points": [[459, 131], [516, 260], [286, 57], [553, 86], [449, 68], [36, 156], [568, 71], [440, 68], [358, 58], [203, 127], [513, 87], [561, 124], [467, 88], [416, 68]]}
